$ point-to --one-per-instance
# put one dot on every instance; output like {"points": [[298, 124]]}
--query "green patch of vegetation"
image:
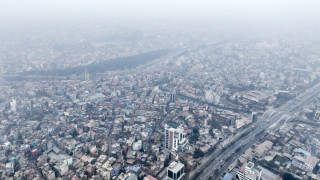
{"points": [[211, 149], [194, 138], [221, 120], [215, 124], [105, 65], [288, 176], [195, 130], [270, 164], [198, 153], [282, 160]]}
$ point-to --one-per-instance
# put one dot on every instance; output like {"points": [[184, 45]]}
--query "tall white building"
{"points": [[205, 123], [248, 172], [212, 97], [13, 105], [174, 136]]}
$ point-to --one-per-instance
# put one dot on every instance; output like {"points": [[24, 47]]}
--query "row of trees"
{"points": [[105, 65]]}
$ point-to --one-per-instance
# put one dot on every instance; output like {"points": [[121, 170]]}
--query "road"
{"points": [[219, 150], [271, 121]]}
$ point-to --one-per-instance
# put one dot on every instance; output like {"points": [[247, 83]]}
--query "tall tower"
{"points": [[173, 95], [174, 136]]}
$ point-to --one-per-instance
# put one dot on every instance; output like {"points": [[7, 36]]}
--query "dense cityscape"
{"points": [[158, 102]]}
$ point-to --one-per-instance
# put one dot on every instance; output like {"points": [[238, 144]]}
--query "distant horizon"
{"points": [[229, 11]]}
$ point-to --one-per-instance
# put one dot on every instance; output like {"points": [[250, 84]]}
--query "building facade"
{"points": [[248, 172], [173, 96], [174, 136], [175, 171]]}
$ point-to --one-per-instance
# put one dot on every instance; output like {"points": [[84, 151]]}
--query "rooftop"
{"points": [[175, 166], [228, 176], [173, 125]]}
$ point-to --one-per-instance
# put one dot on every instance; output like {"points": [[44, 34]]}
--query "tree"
{"points": [[195, 130], [211, 133], [211, 149], [194, 138], [198, 153], [141, 150], [288, 176], [74, 133], [216, 125]]}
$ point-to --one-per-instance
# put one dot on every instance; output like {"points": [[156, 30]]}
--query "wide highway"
{"points": [[270, 121]]}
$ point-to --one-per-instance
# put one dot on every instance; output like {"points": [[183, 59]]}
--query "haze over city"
{"points": [[159, 90]]}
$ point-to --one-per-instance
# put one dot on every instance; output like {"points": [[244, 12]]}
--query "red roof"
{"points": [[187, 131], [151, 177]]}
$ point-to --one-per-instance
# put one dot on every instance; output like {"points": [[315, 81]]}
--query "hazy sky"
{"points": [[237, 10]]}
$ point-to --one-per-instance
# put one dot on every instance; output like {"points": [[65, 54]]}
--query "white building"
{"points": [[137, 145], [13, 105], [105, 174], [175, 171], [317, 115], [10, 168], [304, 160], [212, 97], [248, 172], [174, 136]]}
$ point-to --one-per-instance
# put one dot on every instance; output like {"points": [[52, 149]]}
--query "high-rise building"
{"points": [[175, 171], [173, 95], [13, 105], [248, 172], [174, 136], [205, 123], [31, 107], [212, 97], [254, 117]]}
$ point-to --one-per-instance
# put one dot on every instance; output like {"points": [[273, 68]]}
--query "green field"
{"points": [[282, 160]]}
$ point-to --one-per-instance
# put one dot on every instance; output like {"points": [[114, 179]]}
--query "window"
{"points": [[170, 174]]}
